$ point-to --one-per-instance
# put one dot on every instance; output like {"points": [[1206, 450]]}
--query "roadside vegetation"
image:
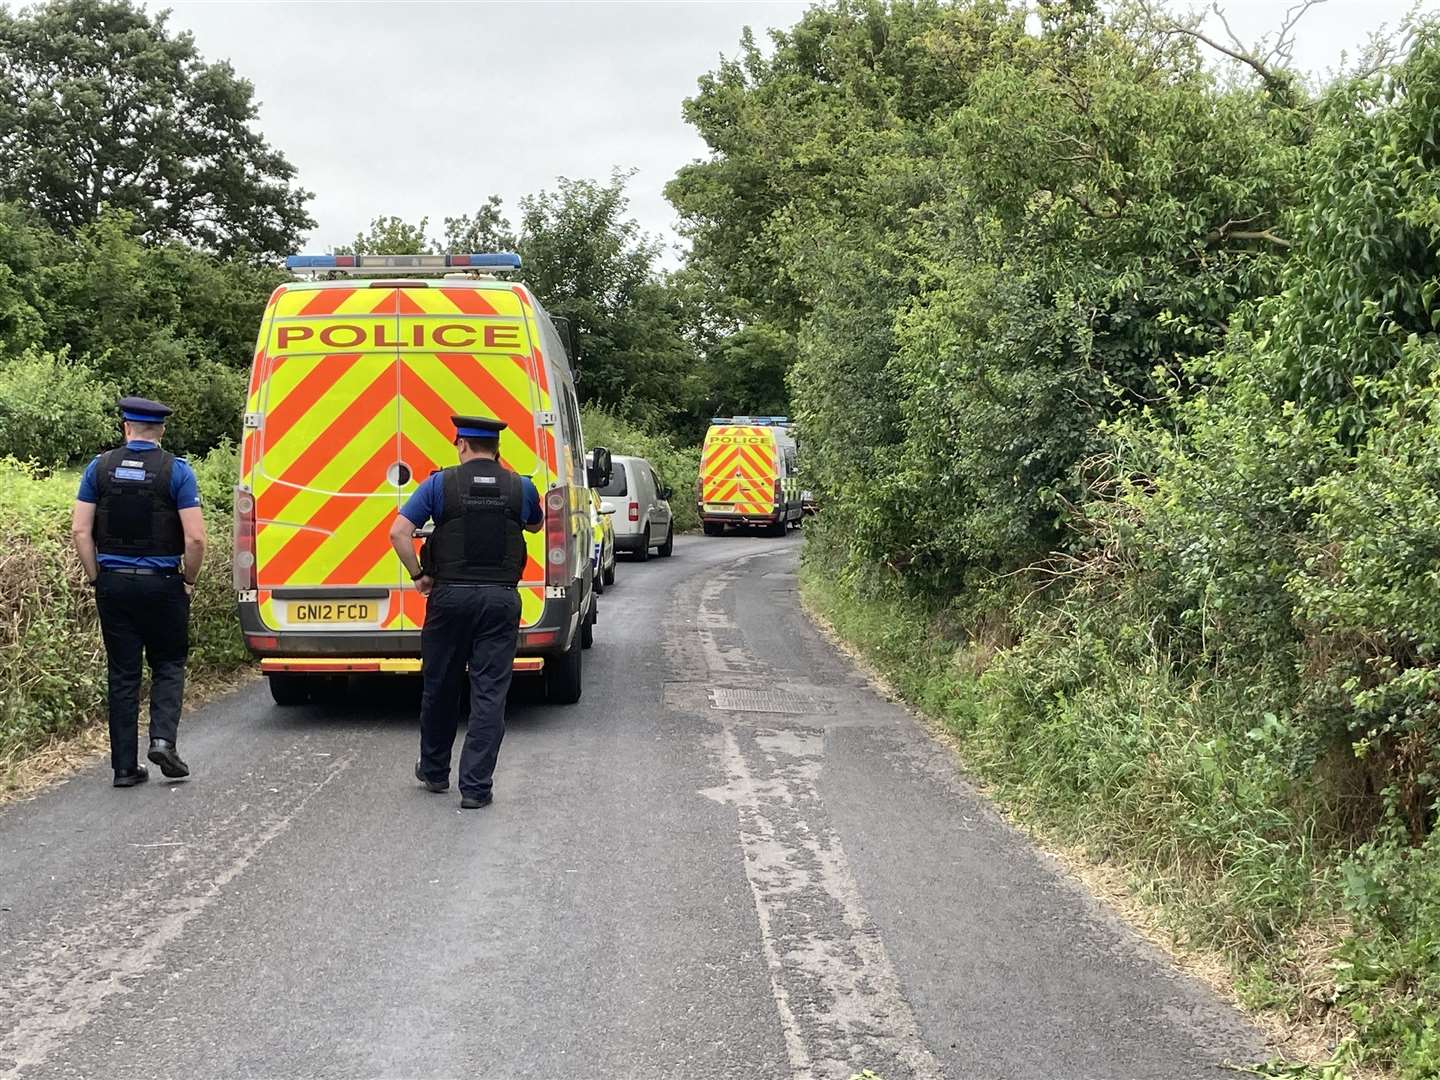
{"points": [[1116, 370], [1115, 361], [52, 665], [676, 464]]}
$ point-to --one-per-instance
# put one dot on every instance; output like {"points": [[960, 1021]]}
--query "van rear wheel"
{"points": [[562, 675], [713, 529], [666, 549], [587, 628], [289, 689], [642, 553]]}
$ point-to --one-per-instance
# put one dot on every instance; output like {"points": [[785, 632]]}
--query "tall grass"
{"points": [[52, 664], [1225, 816]]}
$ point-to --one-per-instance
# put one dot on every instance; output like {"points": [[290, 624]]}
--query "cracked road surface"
{"points": [[731, 859]]}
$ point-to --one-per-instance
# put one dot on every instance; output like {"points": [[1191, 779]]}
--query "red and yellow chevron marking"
{"points": [[349, 381], [738, 466]]}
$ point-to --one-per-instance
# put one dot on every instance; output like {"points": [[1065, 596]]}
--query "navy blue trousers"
{"points": [[475, 628], [144, 618]]}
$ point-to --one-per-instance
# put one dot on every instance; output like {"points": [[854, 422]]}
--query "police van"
{"points": [[359, 365], [748, 475]]}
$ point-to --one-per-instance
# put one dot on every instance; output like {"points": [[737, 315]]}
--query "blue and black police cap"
{"points": [[478, 427], [139, 410]]}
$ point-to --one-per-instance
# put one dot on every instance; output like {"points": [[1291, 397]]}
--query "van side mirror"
{"points": [[597, 472], [667, 493]]}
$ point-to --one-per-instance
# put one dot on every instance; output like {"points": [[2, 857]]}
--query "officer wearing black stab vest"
{"points": [[468, 571], [140, 535]]}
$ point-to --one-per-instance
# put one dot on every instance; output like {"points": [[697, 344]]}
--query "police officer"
{"points": [[138, 530], [471, 565]]}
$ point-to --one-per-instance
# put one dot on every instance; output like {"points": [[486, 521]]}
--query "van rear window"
{"points": [[617, 481]]}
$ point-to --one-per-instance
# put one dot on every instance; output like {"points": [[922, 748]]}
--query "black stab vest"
{"points": [[135, 514], [479, 538]]}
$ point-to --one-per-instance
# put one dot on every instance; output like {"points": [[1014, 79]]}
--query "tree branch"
{"points": [[1225, 232], [1270, 67]]}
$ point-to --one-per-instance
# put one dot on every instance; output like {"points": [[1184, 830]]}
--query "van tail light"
{"points": [[634, 511], [243, 565], [779, 492], [557, 536]]}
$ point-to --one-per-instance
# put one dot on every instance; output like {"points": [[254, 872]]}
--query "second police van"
{"points": [[356, 373], [748, 475]]}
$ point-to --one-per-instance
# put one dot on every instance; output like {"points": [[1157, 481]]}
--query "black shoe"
{"points": [[436, 786], [131, 777], [476, 802], [162, 753]]}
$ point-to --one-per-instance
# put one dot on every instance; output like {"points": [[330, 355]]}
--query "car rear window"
{"points": [[617, 481]]}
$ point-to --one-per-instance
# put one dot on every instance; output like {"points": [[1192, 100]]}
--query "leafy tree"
{"points": [[52, 411], [485, 230], [591, 264], [100, 105], [391, 235], [992, 234], [164, 320]]}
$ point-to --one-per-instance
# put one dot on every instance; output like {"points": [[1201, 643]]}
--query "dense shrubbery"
{"points": [[676, 466], [52, 665], [53, 411], [1147, 503], [87, 316]]}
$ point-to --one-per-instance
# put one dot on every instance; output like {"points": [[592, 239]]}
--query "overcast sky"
{"points": [[416, 109]]}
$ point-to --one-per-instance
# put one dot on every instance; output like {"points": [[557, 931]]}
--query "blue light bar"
{"points": [[752, 421], [495, 260], [313, 262]]}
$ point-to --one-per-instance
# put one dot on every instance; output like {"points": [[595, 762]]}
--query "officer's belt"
{"points": [[472, 584], [140, 570]]}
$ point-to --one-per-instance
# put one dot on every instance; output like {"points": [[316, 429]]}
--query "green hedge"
{"points": [[52, 665], [52, 409], [1202, 790], [677, 466]]}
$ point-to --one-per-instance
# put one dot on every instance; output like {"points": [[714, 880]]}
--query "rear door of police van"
{"points": [[324, 462], [738, 470], [470, 350]]}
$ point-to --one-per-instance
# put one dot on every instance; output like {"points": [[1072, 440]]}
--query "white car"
{"points": [[640, 501]]}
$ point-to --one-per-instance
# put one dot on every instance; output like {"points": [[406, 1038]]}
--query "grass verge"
{"points": [[1217, 852], [52, 663]]}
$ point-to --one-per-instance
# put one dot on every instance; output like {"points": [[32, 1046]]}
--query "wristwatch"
{"points": [[422, 572]]}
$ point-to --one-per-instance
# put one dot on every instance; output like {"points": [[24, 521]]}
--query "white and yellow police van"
{"points": [[357, 370], [748, 475]]}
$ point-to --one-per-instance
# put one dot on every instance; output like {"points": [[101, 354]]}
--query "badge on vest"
{"points": [[133, 464], [482, 479], [123, 473]]}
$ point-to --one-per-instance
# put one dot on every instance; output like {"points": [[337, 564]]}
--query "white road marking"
{"points": [[838, 998]]}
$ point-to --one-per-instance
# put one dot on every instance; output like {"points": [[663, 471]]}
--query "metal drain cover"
{"points": [[731, 699]]}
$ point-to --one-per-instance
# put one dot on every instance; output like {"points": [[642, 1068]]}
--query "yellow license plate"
{"points": [[720, 508], [333, 612]]}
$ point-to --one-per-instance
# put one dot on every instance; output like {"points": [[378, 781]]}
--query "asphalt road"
{"points": [[662, 888]]}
